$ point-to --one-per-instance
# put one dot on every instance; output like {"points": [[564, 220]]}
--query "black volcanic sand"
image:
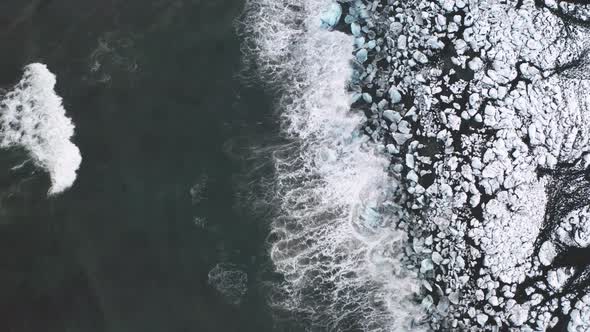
{"points": [[153, 89]]}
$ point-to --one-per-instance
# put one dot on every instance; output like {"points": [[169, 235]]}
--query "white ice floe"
{"points": [[32, 117], [510, 227], [580, 316], [495, 124]]}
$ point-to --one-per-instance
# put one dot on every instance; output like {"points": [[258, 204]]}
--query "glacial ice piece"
{"points": [[394, 95], [349, 19], [392, 116], [580, 316], [420, 57], [331, 16], [547, 253], [355, 28], [426, 265], [482, 319], [355, 97], [362, 55], [371, 216]]}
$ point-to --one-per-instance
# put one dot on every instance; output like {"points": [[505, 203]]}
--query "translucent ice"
{"points": [[331, 16]]}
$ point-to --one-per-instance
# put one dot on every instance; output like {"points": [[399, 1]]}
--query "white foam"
{"points": [[32, 117], [338, 253]]}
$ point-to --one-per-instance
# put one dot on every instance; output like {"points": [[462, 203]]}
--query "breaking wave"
{"points": [[32, 117], [334, 239]]}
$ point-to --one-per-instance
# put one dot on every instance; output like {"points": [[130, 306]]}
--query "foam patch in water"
{"points": [[32, 117]]}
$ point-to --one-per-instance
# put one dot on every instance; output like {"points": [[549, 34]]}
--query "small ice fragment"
{"points": [[482, 319], [331, 16], [547, 253], [362, 55], [355, 28], [392, 116], [420, 57], [437, 258], [394, 95], [426, 265]]}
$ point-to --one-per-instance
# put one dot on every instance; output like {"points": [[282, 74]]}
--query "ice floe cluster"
{"points": [[32, 117], [480, 112], [482, 109]]}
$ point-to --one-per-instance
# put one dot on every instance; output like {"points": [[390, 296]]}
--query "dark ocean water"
{"points": [[154, 92]]}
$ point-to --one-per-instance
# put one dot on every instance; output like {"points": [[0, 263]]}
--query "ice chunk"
{"points": [[426, 265], [355, 28], [476, 64], [482, 319], [402, 42], [371, 217], [420, 57], [394, 95], [362, 55], [331, 16], [392, 116], [230, 281], [518, 314], [547, 253], [437, 258]]}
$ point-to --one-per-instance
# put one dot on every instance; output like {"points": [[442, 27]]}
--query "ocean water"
{"points": [[159, 231]]}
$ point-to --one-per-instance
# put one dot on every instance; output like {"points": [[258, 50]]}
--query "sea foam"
{"points": [[336, 247], [32, 117]]}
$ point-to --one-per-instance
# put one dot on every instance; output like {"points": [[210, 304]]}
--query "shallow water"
{"points": [[154, 92]]}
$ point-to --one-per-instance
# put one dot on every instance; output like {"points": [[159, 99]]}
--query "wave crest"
{"points": [[334, 240], [32, 116]]}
